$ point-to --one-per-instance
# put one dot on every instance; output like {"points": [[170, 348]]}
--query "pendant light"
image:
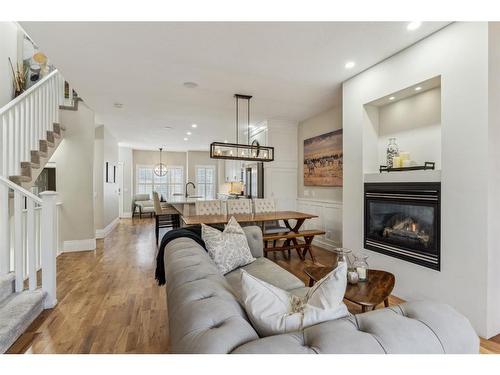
{"points": [[242, 151], [160, 169]]}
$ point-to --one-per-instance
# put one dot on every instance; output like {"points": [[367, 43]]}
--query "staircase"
{"points": [[29, 134]]}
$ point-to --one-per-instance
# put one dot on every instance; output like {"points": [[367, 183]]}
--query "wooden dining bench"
{"points": [[291, 242]]}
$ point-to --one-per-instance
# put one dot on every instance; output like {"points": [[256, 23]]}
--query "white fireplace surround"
{"points": [[462, 54]]}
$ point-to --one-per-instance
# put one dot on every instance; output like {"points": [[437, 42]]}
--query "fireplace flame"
{"points": [[413, 227]]}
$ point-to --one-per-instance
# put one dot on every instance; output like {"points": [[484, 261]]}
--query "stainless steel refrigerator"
{"points": [[254, 180]]}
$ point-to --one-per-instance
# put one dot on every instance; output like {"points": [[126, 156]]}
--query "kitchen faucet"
{"points": [[189, 183]]}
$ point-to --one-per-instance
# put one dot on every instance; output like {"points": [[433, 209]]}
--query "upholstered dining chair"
{"points": [[166, 216], [267, 205], [239, 206], [213, 207]]}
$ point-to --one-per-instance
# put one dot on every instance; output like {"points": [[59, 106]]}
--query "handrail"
{"points": [[19, 98], [21, 190]]}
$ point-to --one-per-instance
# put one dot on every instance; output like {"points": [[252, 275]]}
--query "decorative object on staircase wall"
{"points": [[160, 169], [392, 152], [19, 78], [323, 160], [242, 151], [107, 172]]}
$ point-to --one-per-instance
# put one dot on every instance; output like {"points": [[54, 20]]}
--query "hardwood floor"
{"points": [[108, 300]]}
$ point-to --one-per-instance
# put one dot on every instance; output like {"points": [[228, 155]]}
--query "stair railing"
{"points": [[25, 120], [34, 232]]}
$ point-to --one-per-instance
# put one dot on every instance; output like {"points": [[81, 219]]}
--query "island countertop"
{"points": [[183, 200]]}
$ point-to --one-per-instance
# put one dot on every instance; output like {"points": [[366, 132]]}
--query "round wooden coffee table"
{"points": [[370, 293]]}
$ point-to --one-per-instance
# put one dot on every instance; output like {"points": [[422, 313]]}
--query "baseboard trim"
{"points": [[325, 245], [101, 233], [79, 245], [126, 215]]}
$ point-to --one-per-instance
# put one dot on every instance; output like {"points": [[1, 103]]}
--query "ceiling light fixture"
{"points": [[167, 127], [350, 64], [185, 139], [190, 85], [414, 25], [418, 88], [194, 126], [160, 169], [392, 98], [118, 105], [239, 150], [188, 133]]}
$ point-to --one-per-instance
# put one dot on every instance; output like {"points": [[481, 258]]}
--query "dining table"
{"points": [[285, 216]]}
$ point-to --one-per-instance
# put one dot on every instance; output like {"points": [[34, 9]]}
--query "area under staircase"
{"points": [[29, 134]]}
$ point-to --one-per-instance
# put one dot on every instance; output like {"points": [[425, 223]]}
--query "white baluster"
{"points": [[22, 130], [17, 142], [4, 141], [4, 230], [18, 241], [11, 154], [31, 249], [49, 246]]}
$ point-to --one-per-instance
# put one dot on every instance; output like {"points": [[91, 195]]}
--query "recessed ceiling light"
{"points": [[414, 25], [225, 140], [392, 98], [418, 88], [185, 139], [190, 85], [194, 126], [167, 127], [350, 64], [188, 133], [118, 105]]}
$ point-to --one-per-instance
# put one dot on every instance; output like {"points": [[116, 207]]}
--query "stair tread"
{"points": [[6, 285], [16, 314]]}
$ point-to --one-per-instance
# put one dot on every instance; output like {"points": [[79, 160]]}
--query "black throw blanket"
{"points": [[193, 232]]}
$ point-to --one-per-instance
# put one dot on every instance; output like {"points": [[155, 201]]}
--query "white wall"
{"points": [[125, 156], [280, 175], [494, 180], [415, 122], [110, 208], [459, 53], [8, 48], [74, 159]]}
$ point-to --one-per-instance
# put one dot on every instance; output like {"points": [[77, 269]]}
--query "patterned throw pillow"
{"points": [[273, 311], [228, 249]]}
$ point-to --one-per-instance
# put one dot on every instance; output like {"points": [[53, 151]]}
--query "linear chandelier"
{"points": [[241, 151]]}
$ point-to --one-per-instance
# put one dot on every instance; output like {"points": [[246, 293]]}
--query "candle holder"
{"points": [[360, 265]]}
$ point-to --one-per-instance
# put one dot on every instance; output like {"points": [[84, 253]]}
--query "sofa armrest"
{"points": [[255, 241]]}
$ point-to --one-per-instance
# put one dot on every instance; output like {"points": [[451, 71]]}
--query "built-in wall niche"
{"points": [[412, 116]]}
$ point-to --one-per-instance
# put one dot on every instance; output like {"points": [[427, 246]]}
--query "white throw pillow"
{"points": [[274, 311], [228, 249]]}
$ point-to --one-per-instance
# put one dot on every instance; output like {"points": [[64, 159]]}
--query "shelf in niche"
{"points": [[406, 176]]}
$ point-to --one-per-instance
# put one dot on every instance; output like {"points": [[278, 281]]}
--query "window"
{"points": [[205, 181], [166, 186]]}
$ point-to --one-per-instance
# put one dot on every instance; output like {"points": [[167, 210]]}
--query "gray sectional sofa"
{"points": [[206, 317]]}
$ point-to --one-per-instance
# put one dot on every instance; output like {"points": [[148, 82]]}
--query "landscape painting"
{"points": [[323, 159]]}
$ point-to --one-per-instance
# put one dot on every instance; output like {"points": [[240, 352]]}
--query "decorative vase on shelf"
{"points": [[360, 265], [392, 151]]}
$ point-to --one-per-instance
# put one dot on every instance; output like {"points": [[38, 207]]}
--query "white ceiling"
{"points": [[293, 69]]}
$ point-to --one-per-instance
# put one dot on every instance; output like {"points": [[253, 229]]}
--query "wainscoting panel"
{"points": [[329, 219]]}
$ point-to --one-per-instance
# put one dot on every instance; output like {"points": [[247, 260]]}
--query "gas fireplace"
{"points": [[403, 220]]}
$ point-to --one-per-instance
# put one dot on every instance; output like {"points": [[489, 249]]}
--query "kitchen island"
{"points": [[185, 205]]}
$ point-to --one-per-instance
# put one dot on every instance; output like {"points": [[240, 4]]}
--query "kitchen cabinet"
{"points": [[233, 170]]}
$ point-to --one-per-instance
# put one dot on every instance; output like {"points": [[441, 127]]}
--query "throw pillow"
{"points": [[275, 311], [228, 249]]}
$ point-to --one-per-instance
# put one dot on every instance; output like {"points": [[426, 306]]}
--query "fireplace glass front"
{"points": [[402, 220]]}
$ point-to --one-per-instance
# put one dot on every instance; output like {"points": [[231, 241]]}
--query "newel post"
{"points": [[49, 245]]}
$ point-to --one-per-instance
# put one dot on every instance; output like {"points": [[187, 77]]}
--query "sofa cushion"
{"points": [[273, 310], [266, 270], [228, 249]]}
